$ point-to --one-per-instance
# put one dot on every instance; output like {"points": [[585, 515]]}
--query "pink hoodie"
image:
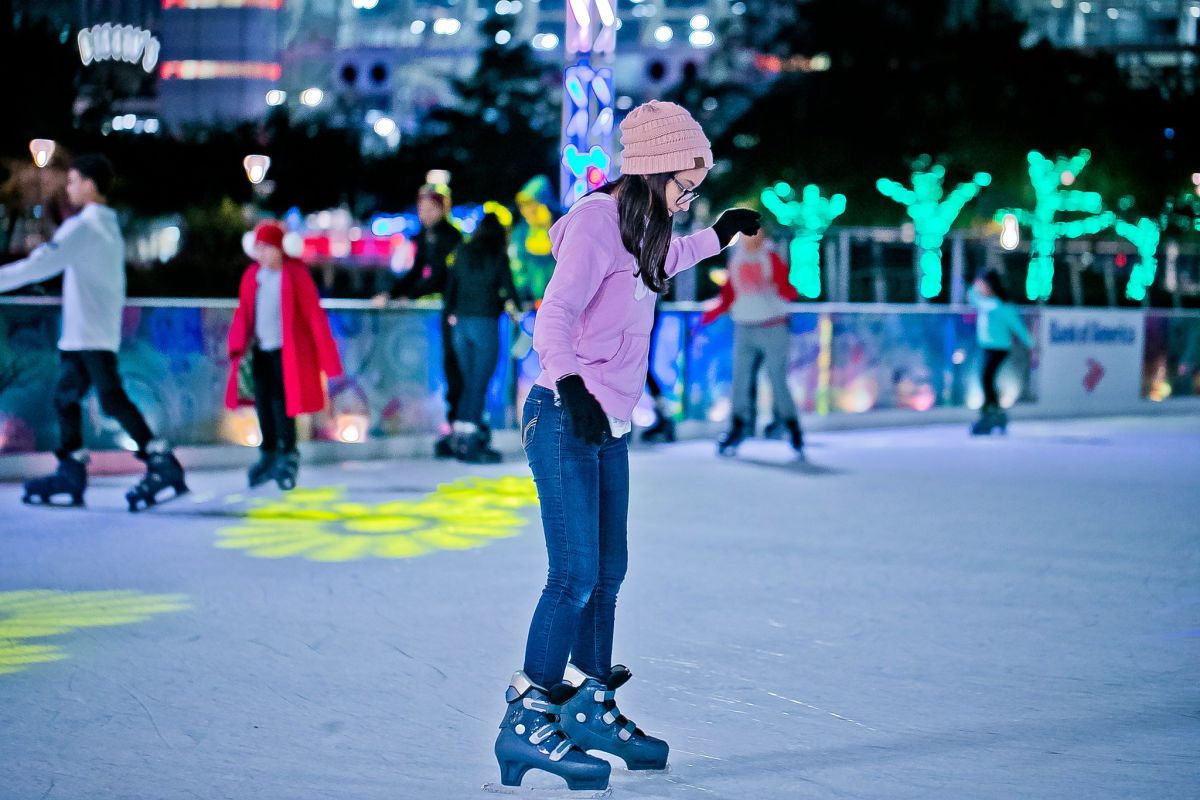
{"points": [[597, 315]]}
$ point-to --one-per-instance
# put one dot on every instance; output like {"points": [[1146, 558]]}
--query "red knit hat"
{"points": [[662, 137], [269, 232]]}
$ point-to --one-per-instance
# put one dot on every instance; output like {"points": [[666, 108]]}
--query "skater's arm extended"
{"points": [[1013, 318], [779, 271], [49, 259], [724, 302]]}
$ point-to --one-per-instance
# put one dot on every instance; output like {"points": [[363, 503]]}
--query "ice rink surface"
{"points": [[911, 614]]}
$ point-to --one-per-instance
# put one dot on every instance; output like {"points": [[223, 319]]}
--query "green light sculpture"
{"points": [[807, 219], [1144, 235], [1047, 178], [931, 216]]}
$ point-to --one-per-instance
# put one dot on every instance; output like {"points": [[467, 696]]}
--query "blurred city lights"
{"points": [[42, 150], [385, 126], [1010, 232], [663, 33], [440, 177], [702, 38], [276, 97], [544, 41], [1085, 7], [737, 9], [699, 22], [1113, 13], [503, 37], [256, 167], [364, 5], [446, 26], [417, 27], [312, 97]]}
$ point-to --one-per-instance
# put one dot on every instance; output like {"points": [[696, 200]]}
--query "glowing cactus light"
{"points": [[1048, 177], [1144, 235], [931, 216], [808, 218]]}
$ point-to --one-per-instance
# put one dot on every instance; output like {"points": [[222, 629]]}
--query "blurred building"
{"points": [[1154, 41]]}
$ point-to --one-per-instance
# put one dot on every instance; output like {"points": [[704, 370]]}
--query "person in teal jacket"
{"points": [[998, 322]]}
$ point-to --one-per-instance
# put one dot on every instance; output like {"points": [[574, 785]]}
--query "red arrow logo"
{"points": [[1094, 373]]}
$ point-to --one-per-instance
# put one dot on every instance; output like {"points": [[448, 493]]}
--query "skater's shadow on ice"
{"points": [[793, 465]]}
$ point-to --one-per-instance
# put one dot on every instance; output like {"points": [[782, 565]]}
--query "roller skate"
{"points": [[727, 445], [162, 470], [531, 737], [287, 466], [593, 721], [70, 479], [261, 472], [991, 418]]}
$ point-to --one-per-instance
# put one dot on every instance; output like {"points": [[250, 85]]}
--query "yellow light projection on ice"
{"points": [[322, 525], [39, 613]]}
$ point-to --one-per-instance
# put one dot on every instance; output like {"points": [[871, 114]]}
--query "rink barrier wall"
{"points": [[850, 365]]}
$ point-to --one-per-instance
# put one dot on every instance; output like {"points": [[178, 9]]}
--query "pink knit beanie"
{"points": [[662, 137]]}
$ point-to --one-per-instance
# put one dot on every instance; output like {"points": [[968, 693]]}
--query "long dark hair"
{"points": [[488, 240], [645, 224], [996, 284]]}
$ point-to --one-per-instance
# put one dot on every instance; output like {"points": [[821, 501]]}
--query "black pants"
{"points": [[278, 429], [454, 376], [991, 365], [80, 370]]}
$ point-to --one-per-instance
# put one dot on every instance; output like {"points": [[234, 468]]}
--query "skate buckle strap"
{"points": [[563, 748], [543, 733], [541, 706]]}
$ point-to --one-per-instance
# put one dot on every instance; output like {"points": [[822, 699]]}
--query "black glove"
{"points": [[734, 221], [587, 417]]}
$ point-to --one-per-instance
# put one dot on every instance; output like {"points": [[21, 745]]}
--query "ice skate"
{"points": [[163, 470], [796, 436], [727, 445], [474, 449], [70, 479], [593, 721], [776, 429], [531, 737], [990, 418], [287, 466], [261, 472], [661, 432]]}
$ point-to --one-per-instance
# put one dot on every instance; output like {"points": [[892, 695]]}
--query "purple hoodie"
{"points": [[597, 315]]}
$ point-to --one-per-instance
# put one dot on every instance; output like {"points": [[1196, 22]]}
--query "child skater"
{"points": [[614, 254], [280, 326], [757, 296], [998, 321]]}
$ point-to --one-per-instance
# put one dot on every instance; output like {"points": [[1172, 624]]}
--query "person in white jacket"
{"points": [[89, 252]]}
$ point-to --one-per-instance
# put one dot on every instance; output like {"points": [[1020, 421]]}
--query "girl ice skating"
{"points": [[615, 253]]}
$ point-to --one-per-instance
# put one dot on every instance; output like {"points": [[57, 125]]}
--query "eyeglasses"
{"points": [[686, 195]]}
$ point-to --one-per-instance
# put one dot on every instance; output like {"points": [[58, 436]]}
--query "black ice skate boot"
{"points": [[474, 448], [531, 737], [796, 435], [70, 479], [661, 432], [444, 446], [163, 470], [776, 429], [287, 467], [263, 471], [727, 445], [593, 721], [991, 417]]}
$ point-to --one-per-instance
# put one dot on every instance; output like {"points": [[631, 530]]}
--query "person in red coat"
{"points": [[757, 295], [280, 326]]}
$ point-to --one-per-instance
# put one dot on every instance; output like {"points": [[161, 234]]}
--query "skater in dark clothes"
{"points": [[614, 254], [663, 429], [280, 325], [89, 251], [436, 240], [479, 288], [998, 321]]}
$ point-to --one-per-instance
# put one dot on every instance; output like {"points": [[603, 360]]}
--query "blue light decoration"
{"points": [[808, 218], [1048, 177], [931, 216], [588, 115]]}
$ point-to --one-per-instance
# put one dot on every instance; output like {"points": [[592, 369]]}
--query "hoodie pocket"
{"points": [[625, 372]]}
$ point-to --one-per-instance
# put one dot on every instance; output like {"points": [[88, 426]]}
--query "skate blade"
{"points": [[546, 792], [32, 500]]}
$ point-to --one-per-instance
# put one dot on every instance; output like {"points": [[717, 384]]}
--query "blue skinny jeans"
{"points": [[583, 490]]}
